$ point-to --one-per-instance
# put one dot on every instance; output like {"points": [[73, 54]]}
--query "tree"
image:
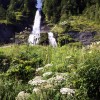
{"points": [[2, 12]]}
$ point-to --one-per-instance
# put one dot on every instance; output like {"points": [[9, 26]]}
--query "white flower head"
{"points": [[48, 65], [39, 69], [37, 81], [47, 74], [22, 96], [67, 91], [68, 57], [36, 90]]}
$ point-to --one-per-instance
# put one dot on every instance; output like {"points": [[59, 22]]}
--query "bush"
{"points": [[89, 75], [4, 62], [23, 68], [23, 63], [44, 39], [10, 88], [64, 39]]}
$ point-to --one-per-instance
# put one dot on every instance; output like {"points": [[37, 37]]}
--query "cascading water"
{"points": [[52, 40], [35, 35]]}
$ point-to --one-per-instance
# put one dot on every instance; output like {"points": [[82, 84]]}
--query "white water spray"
{"points": [[34, 37], [52, 40]]}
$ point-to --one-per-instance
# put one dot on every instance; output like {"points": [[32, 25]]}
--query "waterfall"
{"points": [[52, 40], [35, 35]]}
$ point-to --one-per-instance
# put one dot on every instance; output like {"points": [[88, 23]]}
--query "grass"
{"points": [[74, 61]]}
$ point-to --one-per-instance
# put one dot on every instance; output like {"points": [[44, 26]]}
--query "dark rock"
{"points": [[7, 32], [84, 37], [74, 34]]}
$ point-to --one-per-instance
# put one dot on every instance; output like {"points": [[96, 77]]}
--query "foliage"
{"points": [[62, 9], [23, 66], [4, 62], [80, 65], [2, 12], [44, 39], [64, 39], [10, 88], [89, 75], [54, 10], [9, 10], [50, 94]]}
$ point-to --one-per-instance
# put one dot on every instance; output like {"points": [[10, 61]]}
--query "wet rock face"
{"points": [[84, 37], [6, 33]]}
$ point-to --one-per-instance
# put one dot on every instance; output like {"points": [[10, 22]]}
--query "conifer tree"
{"points": [[10, 16]]}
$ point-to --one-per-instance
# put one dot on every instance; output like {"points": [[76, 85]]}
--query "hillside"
{"points": [[18, 11], [50, 51], [15, 15], [45, 73]]}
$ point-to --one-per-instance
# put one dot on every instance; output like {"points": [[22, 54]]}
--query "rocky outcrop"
{"points": [[84, 37], [7, 33]]}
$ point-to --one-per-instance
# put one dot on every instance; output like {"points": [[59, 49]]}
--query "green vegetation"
{"points": [[79, 65], [76, 23], [17, 11], [71, 66], [61, 10]]}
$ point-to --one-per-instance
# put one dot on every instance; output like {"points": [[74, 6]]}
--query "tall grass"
{"points": [[81, 65]]}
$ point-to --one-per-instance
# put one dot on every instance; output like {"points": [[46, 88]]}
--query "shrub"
{"points": [[23, 69], [64, 39], [44, 39], [4, 62], [24, 64], [89, 77], [10, 88]]}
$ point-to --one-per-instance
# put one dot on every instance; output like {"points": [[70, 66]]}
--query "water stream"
{"points": [[34, 37]]}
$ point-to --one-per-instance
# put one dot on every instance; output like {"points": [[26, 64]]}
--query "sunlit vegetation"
{"points": [[18, 65]]}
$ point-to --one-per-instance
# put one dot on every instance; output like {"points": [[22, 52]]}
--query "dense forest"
{"points": [[18, 11], [59, 10]]}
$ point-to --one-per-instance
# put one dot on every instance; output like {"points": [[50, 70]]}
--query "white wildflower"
{"points": [[68, 57], [48, 65], [47, 74], [22, 96], [67, 91], [39, 69], [59, 78], [51, 80], [36, 90], [37, 81]]}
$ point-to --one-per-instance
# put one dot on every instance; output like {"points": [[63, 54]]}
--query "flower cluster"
{"points": [[48, 65], [22, 96], [39, 69], [60, 77], [36, 90], [47, 74], [37, 81], [67, 91]]}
